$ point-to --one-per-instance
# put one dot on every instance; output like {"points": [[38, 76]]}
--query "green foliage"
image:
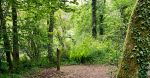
{"points": [[10, 76], [93, 51], [4, 67], [72, 32], [25, 62]]}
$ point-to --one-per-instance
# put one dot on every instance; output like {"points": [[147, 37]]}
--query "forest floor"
{"points": [[77, 71]]}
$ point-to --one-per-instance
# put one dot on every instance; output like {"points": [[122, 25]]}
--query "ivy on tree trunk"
{"points": [[136, 48]]}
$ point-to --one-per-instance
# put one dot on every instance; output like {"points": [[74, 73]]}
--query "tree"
{"points": [[55, 5], [15, 53], [136, 47], [7, 46], [94, 32]]}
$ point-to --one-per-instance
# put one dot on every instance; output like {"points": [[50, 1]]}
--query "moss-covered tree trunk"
{"points": [[136, 47], [15, 53], [7, 46]]}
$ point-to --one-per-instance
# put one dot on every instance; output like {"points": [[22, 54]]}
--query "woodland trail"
{"points": [[77, 71]]}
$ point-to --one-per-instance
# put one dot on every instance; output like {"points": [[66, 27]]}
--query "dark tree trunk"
{"points": [[50, 36], [58, 59], [94, 32], [15, 53], [7, 46], [101, 29]]}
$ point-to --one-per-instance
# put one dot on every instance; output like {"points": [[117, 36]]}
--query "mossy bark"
{"points": [[6, 44], [15, 53], [136, 37]]}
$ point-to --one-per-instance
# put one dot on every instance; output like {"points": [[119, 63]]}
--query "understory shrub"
{"points": [[93, 51]]}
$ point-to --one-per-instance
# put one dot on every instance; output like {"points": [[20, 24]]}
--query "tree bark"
{"points": [[58, 59], [7, 46], [94, 31], [15, 53], [50, 36], [136, 47], [101, 29]]}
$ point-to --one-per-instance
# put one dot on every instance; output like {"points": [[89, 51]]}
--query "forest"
{"points": [[74, 38]]}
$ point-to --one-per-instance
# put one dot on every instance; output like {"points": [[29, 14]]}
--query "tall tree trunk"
{"points": [[137, 48], [15, 35], [7, 46], [50, 36], [94, 32]]}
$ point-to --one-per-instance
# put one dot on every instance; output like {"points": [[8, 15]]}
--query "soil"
{"points": [[77, 71]]}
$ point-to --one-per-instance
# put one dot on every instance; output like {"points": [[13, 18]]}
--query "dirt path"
{"points": [[77, 71]]}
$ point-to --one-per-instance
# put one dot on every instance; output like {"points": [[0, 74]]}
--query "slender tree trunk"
{"points": [[101, 29], [50, 36], [15, 35], [7, 46], [58, 59], [136, 48], [94, 31]]}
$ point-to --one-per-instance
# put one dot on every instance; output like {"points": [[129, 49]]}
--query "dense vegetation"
{"points": [[37, 33]]}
